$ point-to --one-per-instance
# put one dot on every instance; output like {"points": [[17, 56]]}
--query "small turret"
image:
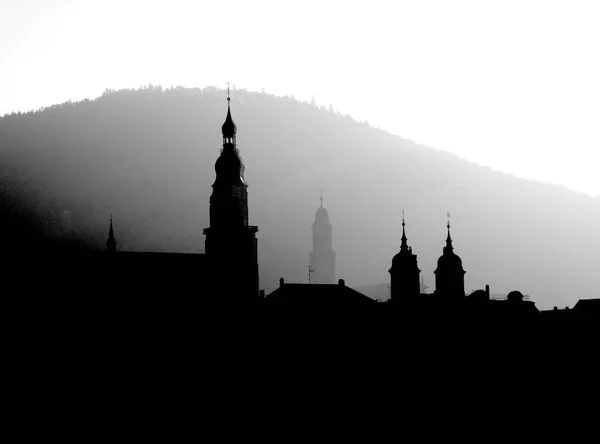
{"points": [[322, 256], [229, 128], [449, 274], [404, 274], [111, 242]]}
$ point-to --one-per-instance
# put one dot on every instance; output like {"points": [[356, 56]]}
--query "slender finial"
{"points": [[321, 197], [404, 246], [111, 243], [448, 247], [228, 98]]}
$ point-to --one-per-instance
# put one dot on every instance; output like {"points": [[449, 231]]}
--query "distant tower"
{"points": [[449, 274], [322, 257], [404, 273], [231, 245], [111, 242], [424, 287]]}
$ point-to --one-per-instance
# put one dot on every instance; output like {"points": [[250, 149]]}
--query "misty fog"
{"points": [[147, 157]]}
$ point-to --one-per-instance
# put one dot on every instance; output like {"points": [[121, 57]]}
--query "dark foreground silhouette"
{"points": [[66, 301], [147, 156]]}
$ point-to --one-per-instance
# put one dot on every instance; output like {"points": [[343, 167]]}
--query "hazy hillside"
{"points": [[147, 156]]}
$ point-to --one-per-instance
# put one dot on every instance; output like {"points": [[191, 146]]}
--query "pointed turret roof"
{"points": [[404, 245], [449, 258], [111, 232], [448, 246], [229, 128], [111, 242]]}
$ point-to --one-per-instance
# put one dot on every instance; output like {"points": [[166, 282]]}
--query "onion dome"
{"points": [[229, 128], [229, 166], [230, 169], [448, 257]]}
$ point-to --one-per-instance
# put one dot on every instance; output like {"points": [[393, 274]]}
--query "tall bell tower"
{"points": [[322, 257], [404, 273], [231, 245], [449, 274]]}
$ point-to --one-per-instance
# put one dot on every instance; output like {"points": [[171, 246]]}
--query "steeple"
{"points": [[448, 248], [404, 273], [229, 128], [229, 201], [111, 242], [404, 245], [449, 274], [322, 256], [231, 243]]}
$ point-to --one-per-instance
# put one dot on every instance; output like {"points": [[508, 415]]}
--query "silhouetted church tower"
{"points": [[322, 257], [111, 242], [404, 274], [231, 245], [449, 274]]}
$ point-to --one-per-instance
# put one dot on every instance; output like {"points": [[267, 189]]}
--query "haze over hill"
{"points": [[147, 157]]}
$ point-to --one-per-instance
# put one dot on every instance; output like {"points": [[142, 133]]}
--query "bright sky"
{"points": [[514, 85]]}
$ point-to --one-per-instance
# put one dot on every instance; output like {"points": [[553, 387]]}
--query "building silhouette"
{"points": [[231, 244], [321, 296], [227, 272], [322, 257], [404, 274], [449, 274]]}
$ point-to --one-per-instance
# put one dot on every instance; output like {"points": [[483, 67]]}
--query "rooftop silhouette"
{"points": [[228, 272]]}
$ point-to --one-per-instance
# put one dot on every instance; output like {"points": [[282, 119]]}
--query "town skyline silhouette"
{"points": [[232, 256], [310, 265]]}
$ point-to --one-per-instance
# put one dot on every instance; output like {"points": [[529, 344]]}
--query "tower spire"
{"points": [[404, 245], [231, 243], [322, 256], [404, 273], [229, 128], [111, 242], [449, 274], [449, 246]]}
